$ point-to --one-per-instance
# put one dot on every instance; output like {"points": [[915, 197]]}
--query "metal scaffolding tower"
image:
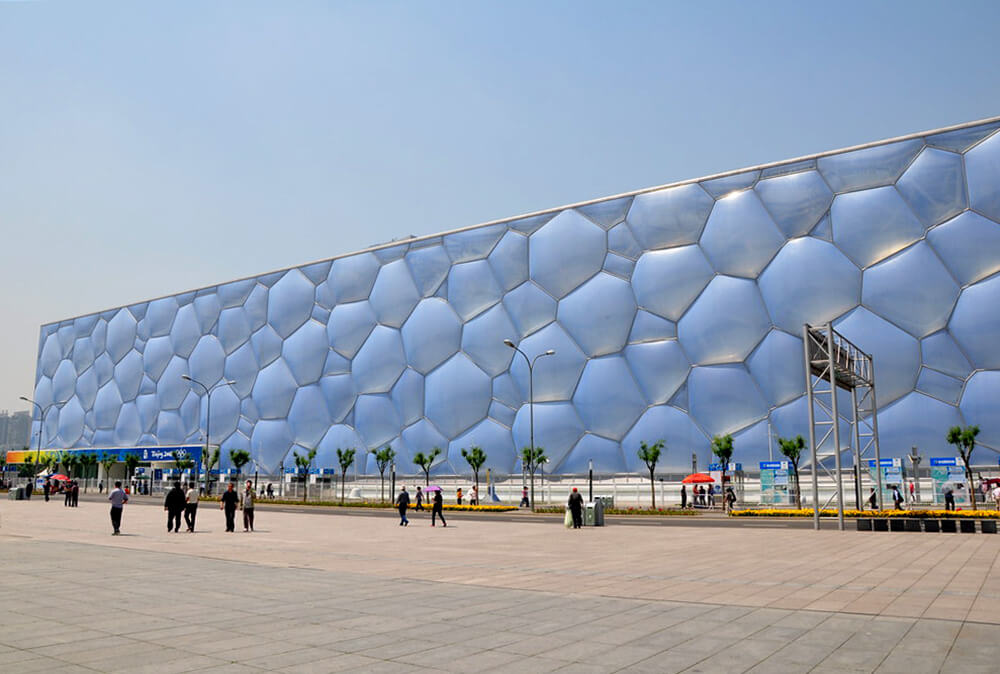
{"points": [[832, 362]]}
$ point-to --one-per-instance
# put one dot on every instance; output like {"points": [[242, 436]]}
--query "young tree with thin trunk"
{"points": [[345, 457], [210, 461], [108, 461], [475, 457], [792, 448], [722, 447], [425, 461], [131, 462], [532, 458], [302, 463], [383, 458], [650, 454], [964, 440], [239, 458]]}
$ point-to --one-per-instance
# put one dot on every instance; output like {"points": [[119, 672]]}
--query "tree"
{"points": [[239, 458], [62, 462], [72, 462], [475, 457], [425, 461], [211, 460], [531, 459], [302, 463], [722, 447], [89, 464], [182, 461], [792, 448], [383, 458], [131, 461], [964, 440], [650, 454], [345, 457], [108, 461]]}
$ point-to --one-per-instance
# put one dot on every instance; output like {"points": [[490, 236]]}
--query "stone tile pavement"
{"points": [[317, 593]]}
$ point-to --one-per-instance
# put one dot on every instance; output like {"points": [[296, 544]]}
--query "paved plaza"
{"points": [[342, 592]]}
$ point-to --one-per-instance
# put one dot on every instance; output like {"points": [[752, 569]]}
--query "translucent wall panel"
{"points": [[872, 225], [605, 455], [555, 376], [482, 340], [431, 335], [394, 294], [660, 368], [796, 201], [976, 323], [472, 288], [920, 421], [565, 252], [942, 353], [725, 323], [351, 278], [380, 361], [934, 186], [871, 167], [599, 314], [982, 164], [349, 326], [666, 282], [457, 395], [473, 244], [557, 429], [740, 237], [969, 244], [509, 260], [608, 399], [305, 352], [429, 268], [724, 398], [309, 417], [670, 217], [494, 439], [680, 435], [529, 308], [777, 367], [979, 404], [896, 354], [721, 187]]}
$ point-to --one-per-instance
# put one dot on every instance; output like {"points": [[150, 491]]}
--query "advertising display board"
{"points": [[892, 474], [948, 470], [776, 483]]}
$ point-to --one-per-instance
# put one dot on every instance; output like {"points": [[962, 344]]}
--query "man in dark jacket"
{"points": [[576, 508], [174, 505], [403, 502], [437, 508], [228, 502]]}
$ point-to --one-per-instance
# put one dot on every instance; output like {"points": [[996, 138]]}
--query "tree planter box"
{"points": [[880, 525], [932, 526], [912, 525], [864, 524], [989, 526], [968, 526], [895, 525], [948, 526]]}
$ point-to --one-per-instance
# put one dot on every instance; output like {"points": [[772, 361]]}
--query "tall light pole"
{"points": [[208, 421], [41, 422], [531, 406], [590, 468]]}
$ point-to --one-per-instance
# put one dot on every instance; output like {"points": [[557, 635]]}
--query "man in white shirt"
{"points": [[118, 499], [191, 506]]}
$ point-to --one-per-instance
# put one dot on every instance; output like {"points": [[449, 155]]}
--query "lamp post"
{"points": [[915, 459], [41, 423], [208, 419], [531, 405], [392, 476], [590, 468]]}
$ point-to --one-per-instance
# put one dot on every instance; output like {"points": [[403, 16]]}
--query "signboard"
{"points": [[329, 471], [892, 474], [949, 472], [777, 484], [192, 452], [715, 470]]}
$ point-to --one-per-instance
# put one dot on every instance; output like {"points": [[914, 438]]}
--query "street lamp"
{"points": [[41, 423], [531, 405], [208, 420], [590, 467]]}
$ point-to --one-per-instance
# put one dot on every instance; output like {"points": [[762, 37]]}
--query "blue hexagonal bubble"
{"points": [[740, 237], [529, 308], [934, 186], [942, 353], [896, 354], [337, 437], [84, 353], [969, 244], [171, 388], [502, 414], [305, 353], [309, 417], [51, 355], [648, 327], [121, 337], [408, 396], [979, 403], [871, 167], [207, 361], [792, 419], [726, 185], [872, 225], [796, 201], [185, 332], [351, 278], [506, 390], [86, 388], [64, 380], [190, 412], [940, 385], [256, 307], [472, 288], [726, 322], [557, 429], [71, 416], [777, 367], [809, 281], [107, 405], [349, 327], [394, 294], [457, 395], [429, 267], [494, 439], [103, 368], [911, 289], [290, 302], [386, 254], [621, 241], [976, 322], [680, 435], [336, 364], [961, 140], [431, 334], [419, 437], [473, 244], [83, 326], [599, 314], [607, 398], [667, 281], [148, 408], [659, 367], [482, 340], [724, 398], [234, 328], [271, 441], [509, 260], [619, 266], [241, 366], [555, 376], [160, 316], [340, 395], [751, 444], [916, 420], [234, 294], [605, 454], [565, 252], [607, 212], [225, 412], [170, 428], [379, 362], [266, 345], [128, 376], [274, 390], [670, 217], [100, 336], [982, 167], [207, 307], [376, 420]]}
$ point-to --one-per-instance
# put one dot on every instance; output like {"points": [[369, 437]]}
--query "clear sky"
{"points": [[149, 148]]}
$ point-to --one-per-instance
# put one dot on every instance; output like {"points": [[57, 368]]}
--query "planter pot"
{"points": [[989, 526], [896, 525], [864, 524], [880, 525], [968, 526], [948, 526], [932, 526], [912, 525]]}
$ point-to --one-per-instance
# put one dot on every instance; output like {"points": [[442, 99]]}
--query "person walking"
{"points": [[897, 498], [191, 506], [575, 505], [228, 502], [420, 499], [684, 496], [711, 496], [458, 495], [913, 496], [873, 500], [473, 496], [949, 497], [996, 495], [524, 498], [403, 502], [437, 510], [173, 504], [730, 498], [75, 494], [118, 499], [100, 487], [46, 488], [246, 504], [67, 495]]}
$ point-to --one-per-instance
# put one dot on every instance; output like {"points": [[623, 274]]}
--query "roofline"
{"points": [[622, 195]]}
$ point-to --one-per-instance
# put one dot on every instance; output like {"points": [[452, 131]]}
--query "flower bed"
{"points": [[624, 511], [906, 514], [370, 504]]}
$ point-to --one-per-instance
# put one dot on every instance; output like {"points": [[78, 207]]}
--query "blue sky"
{"points": [[150, 148]]}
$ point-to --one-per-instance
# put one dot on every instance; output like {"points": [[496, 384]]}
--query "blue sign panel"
{"points": [[944, 461]]}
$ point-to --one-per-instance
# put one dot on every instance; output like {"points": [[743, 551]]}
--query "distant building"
{"points": [[14, 429]]}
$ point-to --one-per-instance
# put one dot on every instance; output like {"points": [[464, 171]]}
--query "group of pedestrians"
{"points": [[179, 501], [437, 506], [70, 490]]}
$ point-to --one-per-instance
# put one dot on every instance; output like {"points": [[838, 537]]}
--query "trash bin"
{"points": [[19, 494], [588, 514], [599, 513]]}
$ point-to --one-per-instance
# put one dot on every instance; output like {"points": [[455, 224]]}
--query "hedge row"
{"points": [[907, 514]]}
